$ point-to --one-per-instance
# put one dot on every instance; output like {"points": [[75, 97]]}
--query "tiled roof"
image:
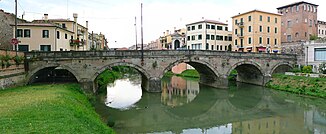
{"points": [[257, 11], [209, 21]]}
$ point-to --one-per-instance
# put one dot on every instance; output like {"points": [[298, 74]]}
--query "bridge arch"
{"points": [[281, 68], [142, 71], [51, 66], [248, 72]]}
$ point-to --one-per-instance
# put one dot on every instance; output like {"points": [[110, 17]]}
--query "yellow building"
{"points": [[43, 37], [257, 31], [209, 35]]}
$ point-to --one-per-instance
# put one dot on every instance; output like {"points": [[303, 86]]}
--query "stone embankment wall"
{"points": [[12, 73]]}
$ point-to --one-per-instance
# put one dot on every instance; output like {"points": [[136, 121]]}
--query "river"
{"points": [[186, 107]]}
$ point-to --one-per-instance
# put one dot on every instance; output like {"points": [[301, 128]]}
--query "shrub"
{"points": [[322, 68], [307, 69]]}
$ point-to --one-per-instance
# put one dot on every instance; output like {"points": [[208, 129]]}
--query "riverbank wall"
{"points": [[12, 71]]}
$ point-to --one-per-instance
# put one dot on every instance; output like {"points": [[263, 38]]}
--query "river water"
{"points": [[186, 107]]}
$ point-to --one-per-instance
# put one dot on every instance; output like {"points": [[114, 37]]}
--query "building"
{"points": [[97, 41], [299, 21], [256, 31], [178, 39], [315, 53], [208, 35], [80, 36], [43, 37], [6, 34], [321, 29], [153, 45]]}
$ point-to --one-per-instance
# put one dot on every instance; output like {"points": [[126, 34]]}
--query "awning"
{"points": [[275, 51], [249, 48], [261, 49]]}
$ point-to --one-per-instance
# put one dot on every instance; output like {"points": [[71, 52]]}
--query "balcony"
{"points": [[77, 42], [240, 24]]}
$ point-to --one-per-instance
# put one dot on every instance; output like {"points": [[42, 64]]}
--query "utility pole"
{"points": [[136, 31], [16, 45], [142, 39]]}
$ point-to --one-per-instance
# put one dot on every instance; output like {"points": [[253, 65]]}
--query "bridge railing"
{"points": [[152, 53]]}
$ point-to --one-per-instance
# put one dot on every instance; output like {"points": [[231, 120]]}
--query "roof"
{"points": [[40, 25], [209, 21], [58, 20], [256, 11], [322, 22], [296, 3]]}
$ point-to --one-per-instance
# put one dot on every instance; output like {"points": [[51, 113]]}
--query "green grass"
{"points": [[189, 73], [299, 85], [48, 109]]}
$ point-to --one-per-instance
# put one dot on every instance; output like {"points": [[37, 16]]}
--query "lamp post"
{"points": [[16, 45], [142, 43]]}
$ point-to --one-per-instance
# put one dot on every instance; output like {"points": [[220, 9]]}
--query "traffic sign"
{"points": [[14, 41]]}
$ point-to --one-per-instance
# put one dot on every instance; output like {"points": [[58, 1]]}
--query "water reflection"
{"points": [[241, 109], [122, 94], [176, 91]]}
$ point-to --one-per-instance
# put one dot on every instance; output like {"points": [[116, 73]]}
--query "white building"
{"points": [[208, 35], [321, 29], [315, 54]]}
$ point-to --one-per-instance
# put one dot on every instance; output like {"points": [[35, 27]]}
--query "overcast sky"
{"points": [[116, 18]]}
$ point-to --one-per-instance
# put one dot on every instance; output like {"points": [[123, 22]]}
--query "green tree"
{"points": [[322, 68]]}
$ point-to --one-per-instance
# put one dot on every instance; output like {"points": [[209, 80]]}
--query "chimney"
{"points": [[46, 16], [75, 17], [167, 32], [87, 24]]}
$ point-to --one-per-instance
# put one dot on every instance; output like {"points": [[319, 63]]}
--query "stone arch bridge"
{"points": [[213, 66]]}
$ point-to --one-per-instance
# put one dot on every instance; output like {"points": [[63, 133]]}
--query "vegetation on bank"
{"points": [[299, 85], [190, 73], [60, 108]]}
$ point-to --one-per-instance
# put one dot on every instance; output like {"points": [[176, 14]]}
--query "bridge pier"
{"points": [[151, 85], [88, 87]]}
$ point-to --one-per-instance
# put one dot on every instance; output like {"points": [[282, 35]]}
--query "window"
{"points": [[200, 37], [207, 46], [268, 19], [208, 26], [236, 22], [249, 18], [320, 54], [208, 37], [66, 36], [236, 31], [241, 42], [260, 18], [23, 48], [212, 47], [221, 47], [230, 38], [219, 27], [58, 35], [193, 28], [45, 48], [188, 28], [64, 25], [241, 20], [27, 33], [260, 28], [275, 20], [200, 26], [249, 29], [289, 23], [268, 41], [305, 34], [249, 40], [19, 32], [212, 26], [275, 29], [218, 37], [235, 42], [217, 47], [193, 37], [275, 41], [226, 29], [289, 38], [260, 40], [225, 38], [212, 37], [310, 23], [268, 29], [188, 38], [297, 8], [45, 34], [304, 7]]}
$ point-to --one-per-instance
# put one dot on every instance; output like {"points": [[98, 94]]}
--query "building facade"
{"points": [[299, 21], [6, 34], [315, 54], [43, 37], [208, 35], [256, 31], [321, 29]]}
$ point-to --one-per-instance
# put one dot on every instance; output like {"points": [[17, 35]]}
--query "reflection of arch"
{"points": [[34, 72], [201, 66], [176, 44], [281, 68], [138, 68]]}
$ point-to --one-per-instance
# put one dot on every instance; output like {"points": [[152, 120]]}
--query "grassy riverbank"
{"points": [[48, 109], [299, 85], [190, 73]]}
